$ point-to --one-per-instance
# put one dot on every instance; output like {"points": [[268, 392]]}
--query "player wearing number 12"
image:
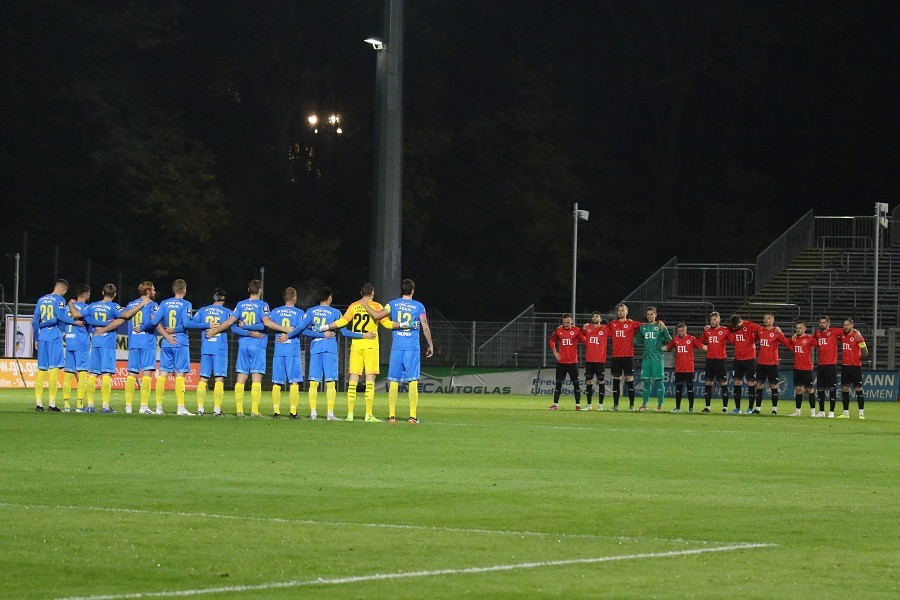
{"points": [[406, 354]]}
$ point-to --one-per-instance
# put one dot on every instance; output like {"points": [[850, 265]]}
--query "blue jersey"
{"points": [[99, 314], [210, 316], [251, 313], [405, 311], [322, 315], [140, 327], [48, 320], [77, 337], [291, 317], [173, 313]]}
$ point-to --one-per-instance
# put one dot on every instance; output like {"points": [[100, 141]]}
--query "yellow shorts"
{"points": [[364, 359]]}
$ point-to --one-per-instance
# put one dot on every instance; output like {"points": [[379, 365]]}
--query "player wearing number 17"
{"points": [[406, 353]]}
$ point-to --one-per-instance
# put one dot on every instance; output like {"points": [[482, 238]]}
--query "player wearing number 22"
{"points": [[363, 352]]}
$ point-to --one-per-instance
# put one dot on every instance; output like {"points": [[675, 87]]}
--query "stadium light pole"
{"points": [[577, 215], [881, 210], [387, 213]]}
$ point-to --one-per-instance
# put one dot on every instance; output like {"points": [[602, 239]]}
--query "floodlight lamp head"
{"points": [[377, 43]]}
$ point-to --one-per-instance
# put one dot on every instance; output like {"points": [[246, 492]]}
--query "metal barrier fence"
{"points": [[654, 286], [703, 281], [782, 251], [512, 337], [844, 232]]}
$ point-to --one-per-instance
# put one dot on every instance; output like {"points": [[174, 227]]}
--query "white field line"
{"points": [[600, 429], [413, 574], [204, 515]]}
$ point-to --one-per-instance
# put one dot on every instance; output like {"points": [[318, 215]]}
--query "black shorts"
{"points": [[803, 378], [744, 369], [567, 369], [715, 370], [687, 378], [767, 372], [851, 375], [826, 377], [622, 364], [595, 369]]}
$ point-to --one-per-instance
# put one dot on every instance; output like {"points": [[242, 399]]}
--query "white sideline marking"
{"points": [[411, 574], [203, 515]]}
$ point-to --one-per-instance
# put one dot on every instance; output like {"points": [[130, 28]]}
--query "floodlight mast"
{"points": [[387, 212], [577, 215]]}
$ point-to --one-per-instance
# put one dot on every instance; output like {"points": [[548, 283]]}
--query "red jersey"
{"points": [[684, 352], [768, 345], [595, 339], [568, 344], [744, 340], [622, 334], [851, 349], [828, 344], [715, 339], [803, 347]]}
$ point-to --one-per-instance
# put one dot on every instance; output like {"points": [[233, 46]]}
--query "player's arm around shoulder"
{"points": [[426, 331]]}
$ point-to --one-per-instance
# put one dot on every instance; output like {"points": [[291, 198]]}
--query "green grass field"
{"points": [[488, 497]]}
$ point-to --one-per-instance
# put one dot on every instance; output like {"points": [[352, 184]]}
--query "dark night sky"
{"points": [[171, 140]]}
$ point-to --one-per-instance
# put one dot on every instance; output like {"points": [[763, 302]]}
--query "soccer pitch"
{"points": [[487, 497]]}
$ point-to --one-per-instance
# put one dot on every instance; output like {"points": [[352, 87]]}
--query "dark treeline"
{"points": [[170, 138]]}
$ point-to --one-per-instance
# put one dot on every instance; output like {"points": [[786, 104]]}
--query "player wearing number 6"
{"points": [[174, 356], [363, 351], [406, 353]]}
